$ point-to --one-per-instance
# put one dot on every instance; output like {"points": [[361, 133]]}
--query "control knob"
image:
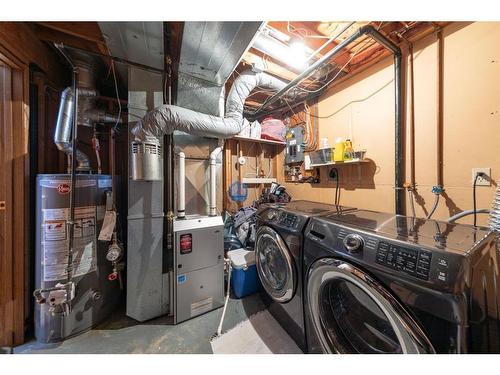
{"points": [[272, 214], [353, 243]]}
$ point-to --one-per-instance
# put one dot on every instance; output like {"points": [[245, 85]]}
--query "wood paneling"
{"points": [[14, 191], [21, 41]]}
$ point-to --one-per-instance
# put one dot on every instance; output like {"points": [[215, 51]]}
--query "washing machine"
{"points": [[279, 255], [384, 283]]}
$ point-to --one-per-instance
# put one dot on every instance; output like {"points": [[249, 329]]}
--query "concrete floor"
{"points": [[123, 335]]}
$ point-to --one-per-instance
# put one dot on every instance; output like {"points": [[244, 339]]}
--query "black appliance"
{"points": [[384, 283], [279, 255]]}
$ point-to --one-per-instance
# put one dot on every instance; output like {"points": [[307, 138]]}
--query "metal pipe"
{"points": [[398, 81], [181, 205], [399, 194], [72, 196], [440, 73], [365, 30], [62, 136], [213, 181]]}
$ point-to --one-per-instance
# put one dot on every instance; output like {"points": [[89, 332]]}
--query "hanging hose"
{"points": [[434, 206], [437, 190], [219, 329], [467, 213], [412, 202]]}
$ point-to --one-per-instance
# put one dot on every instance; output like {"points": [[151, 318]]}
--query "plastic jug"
{"points": [[338, 153], [348, 150]]}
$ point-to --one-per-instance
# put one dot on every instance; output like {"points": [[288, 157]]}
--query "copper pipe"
{"points": [[440, 114]]}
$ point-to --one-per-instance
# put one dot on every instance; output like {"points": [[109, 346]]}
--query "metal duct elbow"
{"points": [[64, 125]]}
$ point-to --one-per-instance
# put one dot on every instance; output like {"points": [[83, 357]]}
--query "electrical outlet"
{"points": [[482, 181], [333, 175]]}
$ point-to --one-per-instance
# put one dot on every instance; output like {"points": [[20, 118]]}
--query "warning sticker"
{"points": [[61, 184], [104, 183], [55, 230], [55, 242]]}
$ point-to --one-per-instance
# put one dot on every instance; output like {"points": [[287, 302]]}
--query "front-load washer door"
{"points": [[275, 265], [352, 313]]}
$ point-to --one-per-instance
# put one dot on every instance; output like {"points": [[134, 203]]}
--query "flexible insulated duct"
{"points": [[167, 118]]}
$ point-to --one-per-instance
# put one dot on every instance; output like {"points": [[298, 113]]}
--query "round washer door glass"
{"points": [[275, 265], [354, 320], [352, 313]]}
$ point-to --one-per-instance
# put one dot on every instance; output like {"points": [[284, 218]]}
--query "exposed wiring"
{"points": [[337, 74], [474, 197], [337, 188], [116, 128]]}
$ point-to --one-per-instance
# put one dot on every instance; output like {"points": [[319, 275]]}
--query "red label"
{"points": [[63, 188], [186, 243]]}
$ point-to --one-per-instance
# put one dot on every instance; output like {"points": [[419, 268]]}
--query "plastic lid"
{"points": [[241, 258]]}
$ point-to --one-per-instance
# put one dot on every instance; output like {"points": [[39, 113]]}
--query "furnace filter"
{"points": [[96, 296]]}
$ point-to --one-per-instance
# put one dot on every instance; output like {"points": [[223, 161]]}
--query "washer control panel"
{"points": [[288, 220], [411, 261]]}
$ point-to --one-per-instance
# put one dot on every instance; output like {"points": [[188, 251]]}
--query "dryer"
{"points": [[279, 254], [384, 283]]}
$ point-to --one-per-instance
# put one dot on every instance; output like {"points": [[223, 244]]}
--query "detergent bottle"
{"points": [[338, 153], [348, 150]]}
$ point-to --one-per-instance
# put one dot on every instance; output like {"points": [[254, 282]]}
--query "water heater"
{"points": [[95, 295]]}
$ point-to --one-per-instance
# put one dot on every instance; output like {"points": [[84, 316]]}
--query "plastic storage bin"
{"points": [[244, 278]]}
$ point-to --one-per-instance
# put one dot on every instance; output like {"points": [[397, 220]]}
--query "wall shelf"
{"points": [[259, 140], [340, 163]]}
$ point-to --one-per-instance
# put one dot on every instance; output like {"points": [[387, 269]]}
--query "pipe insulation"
{"points": [[167, 118]]}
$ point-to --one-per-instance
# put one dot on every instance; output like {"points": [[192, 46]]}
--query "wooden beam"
{"points": [[20, 40], [55, 36]]}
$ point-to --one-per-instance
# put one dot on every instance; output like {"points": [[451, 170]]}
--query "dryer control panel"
{"points": [[411, 261]]}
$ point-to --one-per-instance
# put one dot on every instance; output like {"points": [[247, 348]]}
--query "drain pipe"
{"points": [[213, 181], [398, 79], [181, 205]]}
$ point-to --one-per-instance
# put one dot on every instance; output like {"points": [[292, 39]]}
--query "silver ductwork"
{"points": [[88, 114], [168, 118]]}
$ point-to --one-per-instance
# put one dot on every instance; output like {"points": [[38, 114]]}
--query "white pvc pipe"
{"points": [[213, 182], [181, 205]]}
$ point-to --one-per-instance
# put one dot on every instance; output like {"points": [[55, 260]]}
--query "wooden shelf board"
{"points": [[340, 163], [258, 140]]}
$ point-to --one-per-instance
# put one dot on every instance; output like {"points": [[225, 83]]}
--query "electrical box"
{"points": [[294, 152]]}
